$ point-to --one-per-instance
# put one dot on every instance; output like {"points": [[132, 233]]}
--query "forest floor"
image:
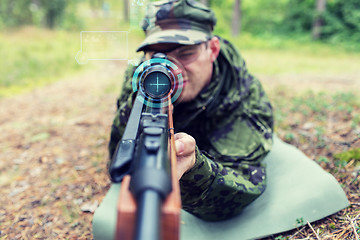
{"points": [[53, 147]]}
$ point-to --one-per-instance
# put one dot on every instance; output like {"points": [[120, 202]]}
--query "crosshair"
{"points": [[168, 83], [157, 84]]}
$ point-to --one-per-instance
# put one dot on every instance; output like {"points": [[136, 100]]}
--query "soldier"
{"points": [[224, 119]]}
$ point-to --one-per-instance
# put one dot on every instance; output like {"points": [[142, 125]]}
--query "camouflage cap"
{"points": [[178, 21]]}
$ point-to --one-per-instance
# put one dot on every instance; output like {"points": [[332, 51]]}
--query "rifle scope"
{"points": [[157, 81]]}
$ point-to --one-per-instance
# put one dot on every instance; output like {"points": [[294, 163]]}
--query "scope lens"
{"points": [[157, 84]]}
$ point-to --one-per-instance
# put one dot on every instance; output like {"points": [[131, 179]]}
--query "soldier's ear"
{"points": [[214, 47]]}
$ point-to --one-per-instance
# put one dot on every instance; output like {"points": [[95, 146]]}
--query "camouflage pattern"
{"points": [[184, 22], [232, 123]]}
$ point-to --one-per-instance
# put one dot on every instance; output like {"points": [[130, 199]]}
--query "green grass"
{"points": [[274, 55], [352, 154], [314, 107], [32, 57]]}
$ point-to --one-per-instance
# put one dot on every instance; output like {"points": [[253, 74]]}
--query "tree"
{"points": [[126, 10], [54, 11], [15, 13], [318, 20], [236, 20]]}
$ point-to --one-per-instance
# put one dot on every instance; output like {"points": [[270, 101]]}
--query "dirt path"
{"points": [[53, 147], [53, 152]]}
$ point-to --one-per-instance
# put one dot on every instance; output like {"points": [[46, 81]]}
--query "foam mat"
{"points": [[298, 190]]}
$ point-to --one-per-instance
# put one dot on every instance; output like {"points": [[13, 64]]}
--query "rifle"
{"points": [[145, 159]]}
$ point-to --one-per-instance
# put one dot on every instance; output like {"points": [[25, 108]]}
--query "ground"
{"points": [[53, 156], [53, 147]]}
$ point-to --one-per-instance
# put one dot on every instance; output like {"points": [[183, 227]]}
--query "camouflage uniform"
{"points": [[232, 123]]}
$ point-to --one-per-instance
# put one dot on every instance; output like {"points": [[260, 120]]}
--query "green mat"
{"points": [[298, 191]]}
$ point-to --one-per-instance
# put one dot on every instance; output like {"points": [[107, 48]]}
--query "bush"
{"points": [[341, 19], [44, 13]]}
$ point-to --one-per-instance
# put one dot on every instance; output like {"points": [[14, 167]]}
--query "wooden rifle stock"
{"points": [[170, 210]]}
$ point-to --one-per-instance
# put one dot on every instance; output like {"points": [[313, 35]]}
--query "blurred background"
{"points": [[61, 69], [39, 39]]}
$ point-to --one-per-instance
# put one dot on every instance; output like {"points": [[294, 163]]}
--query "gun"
{"points": [[145, 159]]}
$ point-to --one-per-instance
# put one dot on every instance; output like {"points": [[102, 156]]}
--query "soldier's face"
{"points": [[197, 61]]}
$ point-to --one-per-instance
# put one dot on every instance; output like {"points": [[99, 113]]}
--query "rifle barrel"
{"points": [[148, 216]]}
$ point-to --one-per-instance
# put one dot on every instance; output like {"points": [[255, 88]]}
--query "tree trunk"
{"points": [[126, 10], [236, 20], [318, 20], [50, 18]]}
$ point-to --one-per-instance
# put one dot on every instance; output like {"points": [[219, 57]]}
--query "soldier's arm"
{"points": [[230, 175], [217, 188]]}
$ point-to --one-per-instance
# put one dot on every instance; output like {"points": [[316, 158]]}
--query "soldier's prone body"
{"points": [[223, 118]]}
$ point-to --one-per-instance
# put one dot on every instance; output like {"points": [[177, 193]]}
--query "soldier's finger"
{"points": [[185, 144]]}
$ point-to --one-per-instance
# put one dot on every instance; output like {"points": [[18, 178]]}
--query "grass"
{"points": [[347, 156], [321, 124], [311, 107], [273, 55], [33, 57]]}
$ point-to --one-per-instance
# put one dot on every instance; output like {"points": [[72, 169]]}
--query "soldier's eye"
{"points": [[186, 54]]}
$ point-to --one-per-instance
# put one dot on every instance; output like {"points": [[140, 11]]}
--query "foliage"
{"points": [[293, 19], [263, 17], [341, 19], [299, 15], [223, 14], [51, 14], [258, 17], [54, 10], [14, 13]]}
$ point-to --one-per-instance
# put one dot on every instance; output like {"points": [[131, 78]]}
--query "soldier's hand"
{"points": [[185, 153]]}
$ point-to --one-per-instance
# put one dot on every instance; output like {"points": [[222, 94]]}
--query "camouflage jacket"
{"points": [[232, 123]]}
